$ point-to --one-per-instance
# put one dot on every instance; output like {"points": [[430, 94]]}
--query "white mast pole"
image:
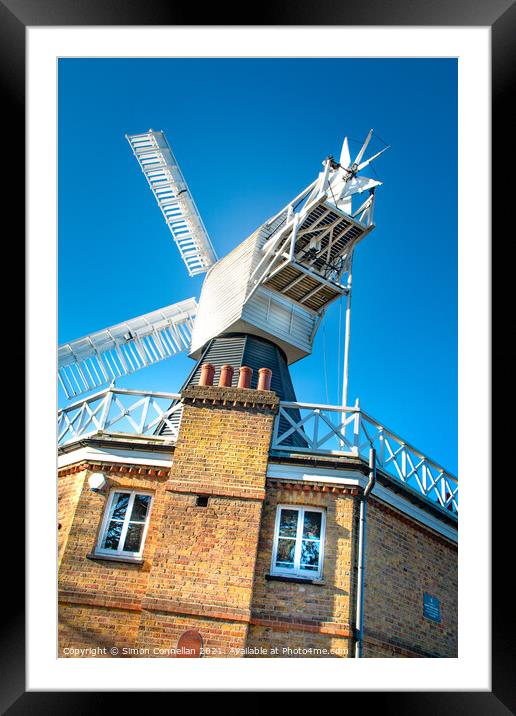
{"points": [[347, 337]]}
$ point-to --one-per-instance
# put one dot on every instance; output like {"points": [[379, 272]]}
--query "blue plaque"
{"points": [[431, 607]]}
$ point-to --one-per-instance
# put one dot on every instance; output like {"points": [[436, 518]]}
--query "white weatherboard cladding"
{"points": [[274, 315], [223, 307], [223, 294]]}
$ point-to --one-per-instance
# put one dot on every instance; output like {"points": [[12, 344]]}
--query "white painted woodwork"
{"points": [[100, 358], [167, 183]]}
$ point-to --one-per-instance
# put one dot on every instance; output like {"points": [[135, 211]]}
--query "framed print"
{"points": [[220, 489]]}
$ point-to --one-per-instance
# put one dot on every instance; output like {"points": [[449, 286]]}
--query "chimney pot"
{"points": [[244, 377], [207, 374], [264, 379], [226, 376]]}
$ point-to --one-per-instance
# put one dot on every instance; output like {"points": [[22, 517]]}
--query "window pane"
{"points": [[140, 507], [312, 525], [288, 523], [309, 555], [133, 537], [112, 537], [120, 502], [285, 554]]}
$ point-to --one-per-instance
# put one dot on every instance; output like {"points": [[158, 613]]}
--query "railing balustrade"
{"points": [[299, 427], [335, 430], [120, 411]]}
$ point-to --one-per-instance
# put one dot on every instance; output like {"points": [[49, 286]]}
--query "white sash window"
{"points": [[298, 542], [125, 523]]}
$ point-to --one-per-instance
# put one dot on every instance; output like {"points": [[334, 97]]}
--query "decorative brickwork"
{"points": [[126, 469]]}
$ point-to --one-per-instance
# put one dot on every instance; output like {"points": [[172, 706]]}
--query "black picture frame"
{"points": [[500, 15]]}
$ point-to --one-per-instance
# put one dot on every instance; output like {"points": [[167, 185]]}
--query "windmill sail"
{"points": [[96, 360], [171, 191]]}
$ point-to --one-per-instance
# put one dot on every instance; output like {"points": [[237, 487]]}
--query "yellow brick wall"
{"points": [[205, 568], [69, 488], [95, 632], [223, 443], [117, 581], [205, 558], [88, 585], [202, 572], [307, 615], [267, 642], [160, 631], [198, 561], [403, 560]]}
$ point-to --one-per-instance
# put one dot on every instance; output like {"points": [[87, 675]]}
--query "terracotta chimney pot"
{"points": [[207, 374], [244, 377], [226, 376], [264, 379]]}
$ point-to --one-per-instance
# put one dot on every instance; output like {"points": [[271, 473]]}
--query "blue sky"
{"points": [[249, 135]]}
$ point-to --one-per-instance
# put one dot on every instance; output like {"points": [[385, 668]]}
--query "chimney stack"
{"points": [[226, 376]]}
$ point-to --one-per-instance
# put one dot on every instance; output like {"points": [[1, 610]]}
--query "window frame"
{"points": [[297, 571], [120, 553]]}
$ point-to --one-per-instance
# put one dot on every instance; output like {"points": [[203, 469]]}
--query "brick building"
{"points": [[227, 532], [230, 516]]}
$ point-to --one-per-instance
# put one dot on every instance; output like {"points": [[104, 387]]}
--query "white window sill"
{"points": [[115, 558], [294, 578]]}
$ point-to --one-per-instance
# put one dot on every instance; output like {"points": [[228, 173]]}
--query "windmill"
{"points": [[260, 305]]}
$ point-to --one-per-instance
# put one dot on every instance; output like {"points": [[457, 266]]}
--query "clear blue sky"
{"points": [[249, 135]]}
